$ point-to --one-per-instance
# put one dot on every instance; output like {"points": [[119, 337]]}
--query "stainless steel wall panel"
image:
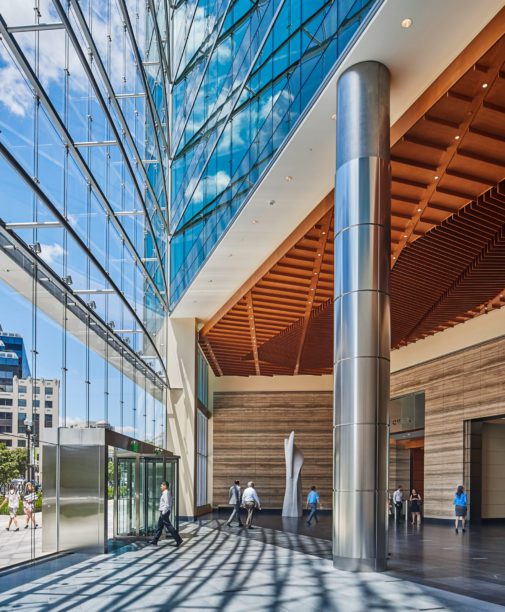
{"points": [[361, 180], [82, 497], [359, 246]]}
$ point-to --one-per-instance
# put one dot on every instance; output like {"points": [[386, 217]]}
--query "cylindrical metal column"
{"points": [[362, 329]]}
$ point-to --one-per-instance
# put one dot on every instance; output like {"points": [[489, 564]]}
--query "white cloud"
{"points": [[51, 253]]}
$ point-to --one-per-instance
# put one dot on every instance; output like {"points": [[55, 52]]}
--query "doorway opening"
{"points": [[484, 466]]}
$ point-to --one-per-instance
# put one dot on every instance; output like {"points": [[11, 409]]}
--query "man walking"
{"points": [[251, 501], [235, 500], [164, 520], [312, 502], [398, 502]]}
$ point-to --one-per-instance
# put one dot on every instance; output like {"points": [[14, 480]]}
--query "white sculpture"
{"points": [[293, 496]]}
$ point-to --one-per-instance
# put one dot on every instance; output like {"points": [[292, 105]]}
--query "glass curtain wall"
{"points": [[243, 74], [83, 221]]}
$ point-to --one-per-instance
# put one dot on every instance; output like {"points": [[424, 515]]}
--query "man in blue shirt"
{"points": [[312, 501]]}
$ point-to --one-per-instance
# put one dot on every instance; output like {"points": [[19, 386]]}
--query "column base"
{"points": [[349, 564]]}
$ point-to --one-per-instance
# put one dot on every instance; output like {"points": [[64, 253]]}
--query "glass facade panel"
{"points": [[83, 221], [244, 73]]}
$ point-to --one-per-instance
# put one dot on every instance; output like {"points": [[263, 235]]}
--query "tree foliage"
{"points": [[12, 463]]}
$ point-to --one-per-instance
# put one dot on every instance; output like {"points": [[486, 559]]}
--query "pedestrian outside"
{"points": [[164, 519], [312, 503], [12, 500], [460, 506], [29, 499], [251, 502]]}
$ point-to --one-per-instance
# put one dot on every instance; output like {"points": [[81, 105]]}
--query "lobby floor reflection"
{"points": [[472, 564]]}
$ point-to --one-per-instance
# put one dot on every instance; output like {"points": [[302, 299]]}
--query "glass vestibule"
{"points": [[137, 492]]}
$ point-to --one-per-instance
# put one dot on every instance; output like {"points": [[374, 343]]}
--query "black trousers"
{"points": [[164, 521]]}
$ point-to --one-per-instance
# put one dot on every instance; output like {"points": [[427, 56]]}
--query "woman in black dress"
{"points": [[415, 507]]}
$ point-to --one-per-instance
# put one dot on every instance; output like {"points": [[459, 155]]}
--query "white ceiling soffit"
{"points": [[416, 56]]}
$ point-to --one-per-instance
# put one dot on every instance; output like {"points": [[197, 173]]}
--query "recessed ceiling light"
{"points": [[419, 210], [436, 178], [457, 137], [289, 178], [484, 85], [255, 221], [394, 257], [405, 235], [406, 23], [334, 116]]}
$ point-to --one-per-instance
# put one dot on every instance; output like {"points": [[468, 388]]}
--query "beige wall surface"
{"points": [[493, 470], [181, 406]]}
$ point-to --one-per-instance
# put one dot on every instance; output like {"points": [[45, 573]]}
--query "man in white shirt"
{"points": [[164, 520], [398, 502], [235, 498], [250, 501]]}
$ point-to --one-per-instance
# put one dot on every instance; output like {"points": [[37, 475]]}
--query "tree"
{"points": [[12, 463]]}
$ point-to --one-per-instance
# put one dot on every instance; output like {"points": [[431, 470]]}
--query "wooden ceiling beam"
{"points": [[253, 333], [474, 178], [488, 36], [486, 159], [212, 357], [323, 238], [422, 142], [314, 217], [448, 155], [413, 163]]}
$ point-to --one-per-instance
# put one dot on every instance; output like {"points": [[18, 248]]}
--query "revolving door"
{"points": [[137, 480]]}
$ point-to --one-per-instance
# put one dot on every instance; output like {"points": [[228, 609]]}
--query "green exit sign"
{"points": [[134, 446]]}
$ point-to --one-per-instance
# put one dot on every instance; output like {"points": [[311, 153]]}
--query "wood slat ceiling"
{"points": [[447, 244]]}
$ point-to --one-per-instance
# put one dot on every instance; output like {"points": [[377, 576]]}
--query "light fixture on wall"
{"points": [[407, 23]]}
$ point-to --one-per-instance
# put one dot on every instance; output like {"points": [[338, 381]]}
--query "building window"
{"points": [[202, 428], [202, 368], [48, 420], [36, 390], [21, 422], [22, 389], [22, 403], [5, 401], [5, 422], [21, 443], [6, 388], [48, 404], [36, 403], [48, 391], [6, 442]]}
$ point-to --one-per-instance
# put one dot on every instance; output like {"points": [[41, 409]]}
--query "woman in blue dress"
{"points": [[460, 505]]}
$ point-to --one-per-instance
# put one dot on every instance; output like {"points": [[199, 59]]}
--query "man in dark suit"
{"points": [[235, 499]]}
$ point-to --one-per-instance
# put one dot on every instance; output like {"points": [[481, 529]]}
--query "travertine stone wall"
{"points": [[249, 431], [249, 428], [468, 384]]}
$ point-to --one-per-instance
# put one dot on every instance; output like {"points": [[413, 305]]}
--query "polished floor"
{"points": [[471, 564], [216, 569]]}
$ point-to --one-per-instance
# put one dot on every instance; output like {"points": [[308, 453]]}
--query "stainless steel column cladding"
{"points": [[362, 327]]}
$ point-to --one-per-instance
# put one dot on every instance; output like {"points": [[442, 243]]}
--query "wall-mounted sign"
{"points": [[406, 413]]}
